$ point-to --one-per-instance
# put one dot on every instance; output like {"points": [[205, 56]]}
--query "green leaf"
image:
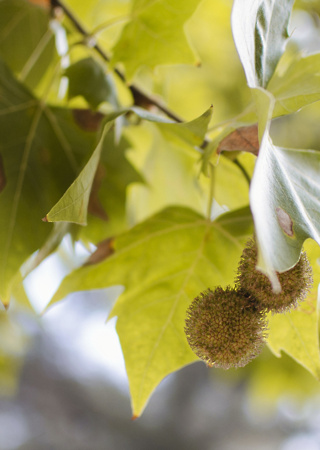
{"points": [[73, 205], [260, 32], [171, 173], [108, 200], [192, 133], [163, 264], [41, 149], [296, 84], [231, 189], [155, 35], [26, 41], [87, 78], [296, 332], [284, 199]]}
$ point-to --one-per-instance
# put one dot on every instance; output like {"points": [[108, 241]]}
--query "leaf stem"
{"points": [[243, 170], [139, 96], [110, 23], [211, 191]]}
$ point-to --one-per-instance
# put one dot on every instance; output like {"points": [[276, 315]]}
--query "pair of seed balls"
{"points": [[227, 327]]}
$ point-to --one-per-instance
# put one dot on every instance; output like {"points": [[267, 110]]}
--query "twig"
{"points": [[243, 170], [139, 96]]}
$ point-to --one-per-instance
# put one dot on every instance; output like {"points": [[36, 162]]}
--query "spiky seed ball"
{"points": [[295, 282], [224, 328]]}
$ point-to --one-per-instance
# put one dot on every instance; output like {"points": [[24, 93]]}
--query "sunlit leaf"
{"points": [[163, 264], [149, 36], [296, 332], [296, 85], [114, 176], [192, 132], [73, 205]]}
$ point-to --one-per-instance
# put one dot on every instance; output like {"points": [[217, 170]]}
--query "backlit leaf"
{"points": [[149, 36], [296, 332], [163, 264], [296, 85], [73, 205], [192, 132]]}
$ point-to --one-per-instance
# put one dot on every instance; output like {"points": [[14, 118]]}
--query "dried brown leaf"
{"points": [[103, 251], [244, 139], [95, 207], [87, 120]]}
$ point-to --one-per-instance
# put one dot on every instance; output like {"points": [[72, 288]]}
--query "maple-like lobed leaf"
{"points": [[42, 149], [147, 38], [27, 23], [296, 332], [163, 263]]}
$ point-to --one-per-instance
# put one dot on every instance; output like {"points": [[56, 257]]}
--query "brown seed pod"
{"points": [[224, 328], [295, 283]]}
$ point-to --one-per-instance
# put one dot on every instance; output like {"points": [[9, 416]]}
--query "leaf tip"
{"points": [[134, 417], [45, 219]]}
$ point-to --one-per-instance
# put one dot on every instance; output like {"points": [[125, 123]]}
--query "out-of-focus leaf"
{"points": [[231, 189], [41, 150], [296, 85], [242, 139], [259, 30], [193, 132], [163, 264], [87, 78], [19, 294], [149, 36], [171, 173], [73, 205], [44, 3], [115, 175], [26, 41], [54, 239], [13, 346], [296, 332]]}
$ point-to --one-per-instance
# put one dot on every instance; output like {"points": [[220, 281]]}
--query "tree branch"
{"points": [[140, 97]]}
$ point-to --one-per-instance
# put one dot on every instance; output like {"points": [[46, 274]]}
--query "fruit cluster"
{"points": [[228, 327]]}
